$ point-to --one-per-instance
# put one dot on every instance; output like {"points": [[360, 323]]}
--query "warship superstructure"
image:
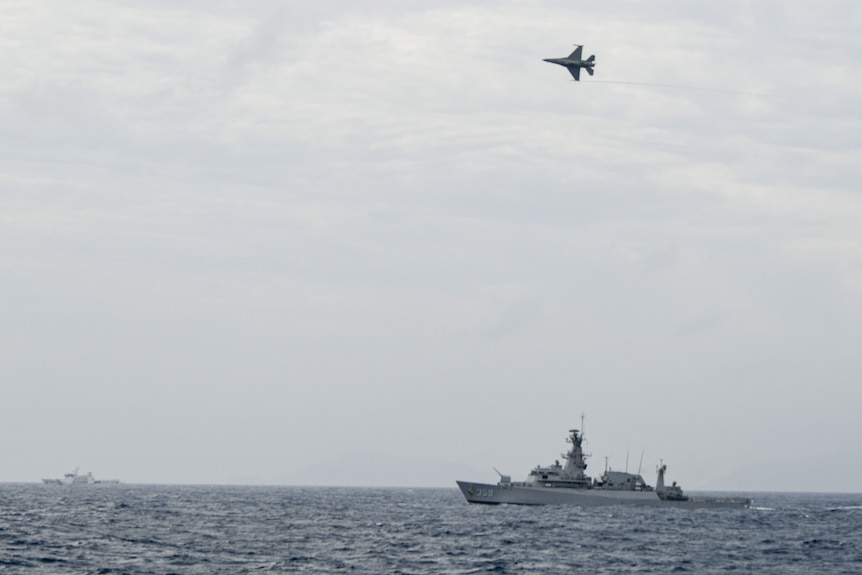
{"points": [[569, 484]]}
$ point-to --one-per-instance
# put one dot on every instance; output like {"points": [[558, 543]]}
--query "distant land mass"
{"points": [[833, 473], [375, 470]]}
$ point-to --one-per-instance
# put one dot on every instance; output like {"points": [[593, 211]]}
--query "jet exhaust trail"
{"points": [[693, 88]]}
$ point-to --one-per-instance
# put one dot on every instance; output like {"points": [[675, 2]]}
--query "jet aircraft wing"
{"points": [[576, 72], [576, 55]]}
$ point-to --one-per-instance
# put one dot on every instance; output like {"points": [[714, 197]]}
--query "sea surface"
{"points": [[184, 529]]}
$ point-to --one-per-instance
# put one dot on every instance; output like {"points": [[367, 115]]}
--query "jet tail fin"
{"points": [[589, 71], [591, 58]]}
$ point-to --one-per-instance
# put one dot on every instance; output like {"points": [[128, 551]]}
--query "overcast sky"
{"points": [[244, 241]]}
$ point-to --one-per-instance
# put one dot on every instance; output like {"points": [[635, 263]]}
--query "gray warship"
{"points": [[569, 485], [74, 478]]}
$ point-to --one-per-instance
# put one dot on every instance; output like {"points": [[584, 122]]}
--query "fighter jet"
{"points": [[573, 63]]}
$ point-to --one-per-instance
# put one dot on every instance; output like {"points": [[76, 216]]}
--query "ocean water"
{"points": [[182, 529]]}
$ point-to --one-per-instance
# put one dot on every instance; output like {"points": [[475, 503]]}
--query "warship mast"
{"points": [[575, 458]]}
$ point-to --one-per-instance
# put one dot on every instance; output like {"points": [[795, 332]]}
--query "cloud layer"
{"points": [[241, 241]]}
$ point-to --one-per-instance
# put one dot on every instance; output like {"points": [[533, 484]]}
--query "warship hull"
{"points": [[512, 494]]}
